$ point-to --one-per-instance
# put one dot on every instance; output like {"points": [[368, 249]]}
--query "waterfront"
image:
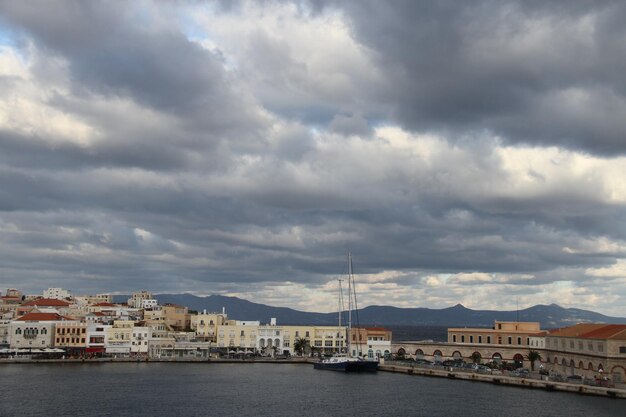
{"points": [[137, 389]]}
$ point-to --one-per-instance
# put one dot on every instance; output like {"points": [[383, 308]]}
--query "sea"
{"points": [[262, 389]]}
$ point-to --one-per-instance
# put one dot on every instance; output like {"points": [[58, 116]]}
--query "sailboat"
{"points": [[346, 362]]}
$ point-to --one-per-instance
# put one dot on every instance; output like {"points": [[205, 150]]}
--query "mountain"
{"points": [[550, 316]]}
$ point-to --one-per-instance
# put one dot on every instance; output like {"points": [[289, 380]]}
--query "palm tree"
{"points": [[533, 356], [301, 345]]}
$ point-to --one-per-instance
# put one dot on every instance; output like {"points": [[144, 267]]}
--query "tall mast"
{"points": [[349, 304]]}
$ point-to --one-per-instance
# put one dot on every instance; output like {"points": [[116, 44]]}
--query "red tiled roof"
{"points": [[47, 302], [592, 331], [43, 317]]}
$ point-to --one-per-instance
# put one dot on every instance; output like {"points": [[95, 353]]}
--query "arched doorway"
{"points": [[401, 353], [519, 358], [419, 354], [437, 355], [497, 358], [572, 367], [456, 355], [618, 374], [590, 366], [476, 357]]}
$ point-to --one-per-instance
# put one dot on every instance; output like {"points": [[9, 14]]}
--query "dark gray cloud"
{"points": [[533, 72], [133, 157]]}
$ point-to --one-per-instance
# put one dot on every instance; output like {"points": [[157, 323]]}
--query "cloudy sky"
{"points": [[465, 152]]}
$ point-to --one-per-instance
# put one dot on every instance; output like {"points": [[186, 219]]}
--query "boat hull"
{"points": [[348, 366]]}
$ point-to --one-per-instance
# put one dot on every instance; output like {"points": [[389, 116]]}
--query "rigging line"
{"points": [[356, 307]]}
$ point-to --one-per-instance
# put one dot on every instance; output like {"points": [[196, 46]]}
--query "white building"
{"points": [[140, 339], [149, 303], [57, 294], [34, 330]]}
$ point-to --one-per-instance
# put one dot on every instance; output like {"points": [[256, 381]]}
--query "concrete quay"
{"points": [[508, 380]]}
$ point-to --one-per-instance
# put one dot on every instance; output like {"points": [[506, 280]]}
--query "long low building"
{"points": [[589, 350]]}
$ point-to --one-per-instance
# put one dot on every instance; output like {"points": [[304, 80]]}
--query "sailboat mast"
{"points": [[349, 304]]}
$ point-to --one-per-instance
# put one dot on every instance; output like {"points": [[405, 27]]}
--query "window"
{"points": [[328, 343], [306, 334], [510, 339], [44, 331], [318, 343], [571, 344], [462, 338], [488, 339], [580, 345], [590, 346], [480, 339], [453, 338], [519, 340], [18, 331], [622, 349], [600, 347]]}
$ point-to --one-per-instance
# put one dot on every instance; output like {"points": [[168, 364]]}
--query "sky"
{"points": [[464, 152]]}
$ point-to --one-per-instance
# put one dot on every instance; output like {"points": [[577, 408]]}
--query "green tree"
{"points": [[301, 345], [533, 356]]}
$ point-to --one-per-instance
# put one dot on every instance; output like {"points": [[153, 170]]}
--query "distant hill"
{"points": [[550, 316]]}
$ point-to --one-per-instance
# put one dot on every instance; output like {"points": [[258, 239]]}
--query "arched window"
{"points": [[44, 331], [18, 331], [262, 343], [590, 366], [563, 362], [496, 357], [419, 354], [370, 354], [277, 342], [378, 354], [518, 357], [456, 354], [581, 365], [556, 360]]}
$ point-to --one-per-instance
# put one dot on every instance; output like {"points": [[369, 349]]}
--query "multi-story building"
{"points": [[119, 337], [509, 333], [137, 298], [238, 336], [140, 338], [175, 316], [4, 333], [97, 334], [71, 336], [93, 299], [150, 303], [34, 330], [205, 325], [588, 350], [57, 294], [373, 342]]}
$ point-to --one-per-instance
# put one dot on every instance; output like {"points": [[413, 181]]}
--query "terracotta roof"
{"points": [[47, 302], [592, 331], [43, 317]]}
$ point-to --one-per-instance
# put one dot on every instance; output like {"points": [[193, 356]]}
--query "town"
{"points": [[59, 325]]}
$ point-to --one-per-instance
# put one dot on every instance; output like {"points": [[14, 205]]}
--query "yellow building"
{"points": [[205, 325], [119, 337], [71, 336], [238, 336], [508, 333], [175, 316]]}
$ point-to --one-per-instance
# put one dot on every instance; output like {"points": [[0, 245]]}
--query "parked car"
{"points": [[521, 373], [496, 372], [575, 379]]}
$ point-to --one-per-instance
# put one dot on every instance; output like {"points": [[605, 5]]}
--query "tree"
{"points": [[476, 357], [533, 356], [301, 345]]}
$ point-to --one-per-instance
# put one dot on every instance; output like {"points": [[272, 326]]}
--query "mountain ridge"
{"points": [[550, 316]]}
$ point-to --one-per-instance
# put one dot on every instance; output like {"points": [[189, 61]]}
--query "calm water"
{"points": [[117, 389]]}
